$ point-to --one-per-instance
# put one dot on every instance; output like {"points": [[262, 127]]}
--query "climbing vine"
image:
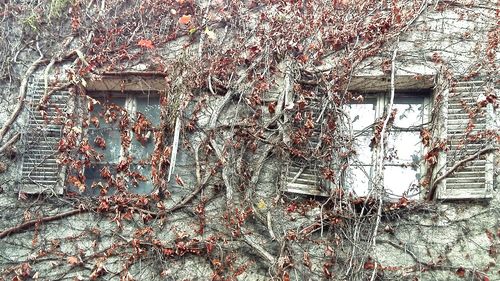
{"points": [[240, 80]]}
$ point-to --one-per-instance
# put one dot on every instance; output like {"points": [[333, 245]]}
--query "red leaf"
{"points": [[72, 260], [272, 108], [145, 43], [309, 123], [307, 260], [210, 247], [105, 173], [369, 265], [461, 272], [100, 142], [185, 19], [291, 208], [95, 121]]}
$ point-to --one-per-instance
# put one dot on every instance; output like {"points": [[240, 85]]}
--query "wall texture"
{"points": [[268, 234]]}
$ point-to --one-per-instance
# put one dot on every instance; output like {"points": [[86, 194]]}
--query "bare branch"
{"points": [[432, 189], [21, 97]]}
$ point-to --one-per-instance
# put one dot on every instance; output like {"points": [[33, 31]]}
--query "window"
{"points": [[403, 149], [402, 164], [106, 144], [121, 129]]}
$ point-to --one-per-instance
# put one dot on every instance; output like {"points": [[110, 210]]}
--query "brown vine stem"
{"points": [[10, 142], [31, 223], [432, 189], [21, 97]]}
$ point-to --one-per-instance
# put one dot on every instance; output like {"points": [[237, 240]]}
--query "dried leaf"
{"points": [[210, 34], [185, 19], [261, 205], [95, 121], [272, 108], [307, 260], [369, 265], [100, 142], [72, 260], [145, 43]]}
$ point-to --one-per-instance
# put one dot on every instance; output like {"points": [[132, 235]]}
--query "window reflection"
{"points": [[362, 115]]}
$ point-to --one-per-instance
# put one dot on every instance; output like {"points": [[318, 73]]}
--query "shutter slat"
{"points": [[40, 170], [471, 181], [308, 181]]}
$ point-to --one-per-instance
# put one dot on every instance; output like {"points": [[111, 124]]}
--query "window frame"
{"points": [[130, 106], [381, 104]]}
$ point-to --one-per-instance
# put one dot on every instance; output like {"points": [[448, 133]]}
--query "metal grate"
{"points": [[40, 171]]}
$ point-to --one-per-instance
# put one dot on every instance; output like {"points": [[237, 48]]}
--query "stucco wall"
{"points": [[421, 241]]}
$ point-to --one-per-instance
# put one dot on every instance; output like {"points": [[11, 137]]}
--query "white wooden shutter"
{"points": [[40, 171], [301, 176], [474, 179]]}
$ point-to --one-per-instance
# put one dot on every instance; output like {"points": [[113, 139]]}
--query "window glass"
{"points": [[104, 134], [149, 106], [358, 179], [111, 146], [140, 179], [95, 183], [404, 147], [362, 148], [403, 150], [399, 181], [362, 115], [108, 112], [147, 118], [410, 112]]}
